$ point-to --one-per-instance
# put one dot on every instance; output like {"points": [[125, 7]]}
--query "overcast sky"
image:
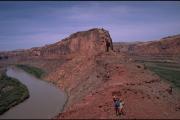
{"points": [[32, 24]]}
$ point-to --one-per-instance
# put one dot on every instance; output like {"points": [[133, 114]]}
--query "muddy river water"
{"points": [[45, 100]]}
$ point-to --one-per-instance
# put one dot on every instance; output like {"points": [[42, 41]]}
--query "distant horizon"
{"points": [[28, 24]]}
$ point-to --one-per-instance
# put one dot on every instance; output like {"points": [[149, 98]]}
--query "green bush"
{"points": [[37, 72], [169, 74]]}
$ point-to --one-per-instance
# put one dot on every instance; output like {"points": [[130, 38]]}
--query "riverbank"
{"points": [[37, 72], [38, 106], [12, 92]]}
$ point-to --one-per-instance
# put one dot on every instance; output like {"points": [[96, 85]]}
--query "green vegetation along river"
{"points": [[45, 100]]}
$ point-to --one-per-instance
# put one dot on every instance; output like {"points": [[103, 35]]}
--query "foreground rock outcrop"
{"points": [[145, 95]]}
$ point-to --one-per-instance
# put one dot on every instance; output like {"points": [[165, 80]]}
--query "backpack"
{"points": [[117, 103]]}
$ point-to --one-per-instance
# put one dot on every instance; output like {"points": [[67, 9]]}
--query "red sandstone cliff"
{"points": [[165, 46], [89, 42]]}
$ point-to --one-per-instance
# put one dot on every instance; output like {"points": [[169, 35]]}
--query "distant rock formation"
{"points": [[165, 46], [89, 42]]}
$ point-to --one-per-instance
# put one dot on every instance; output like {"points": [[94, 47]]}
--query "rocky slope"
{"points": [[146, 96]]}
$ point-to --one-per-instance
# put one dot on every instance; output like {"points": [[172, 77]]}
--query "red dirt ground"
{"points": [[145, 95]]}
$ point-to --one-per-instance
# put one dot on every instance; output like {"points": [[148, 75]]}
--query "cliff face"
{"points": [[167, 46], [89, 42]]}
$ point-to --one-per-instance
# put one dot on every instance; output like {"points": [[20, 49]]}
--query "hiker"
{"points": [[121, 107], [116, 105]]}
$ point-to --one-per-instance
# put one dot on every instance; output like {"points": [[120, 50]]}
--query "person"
{"points": [[116, 105], [121, 107]]}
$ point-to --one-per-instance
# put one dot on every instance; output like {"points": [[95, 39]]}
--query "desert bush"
{"points": [[37, 72]]}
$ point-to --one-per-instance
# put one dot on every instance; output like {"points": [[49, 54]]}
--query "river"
{"points": [[45, 101]]}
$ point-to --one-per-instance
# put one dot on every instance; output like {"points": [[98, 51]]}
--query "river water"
{"points": [[45, 100]]}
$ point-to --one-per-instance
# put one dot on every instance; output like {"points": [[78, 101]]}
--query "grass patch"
{"points": [[12, 92], [177, 66], [166, 72], [37, 72]]}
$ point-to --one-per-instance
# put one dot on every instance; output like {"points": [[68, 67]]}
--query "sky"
{"points": [[26, 24]]}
